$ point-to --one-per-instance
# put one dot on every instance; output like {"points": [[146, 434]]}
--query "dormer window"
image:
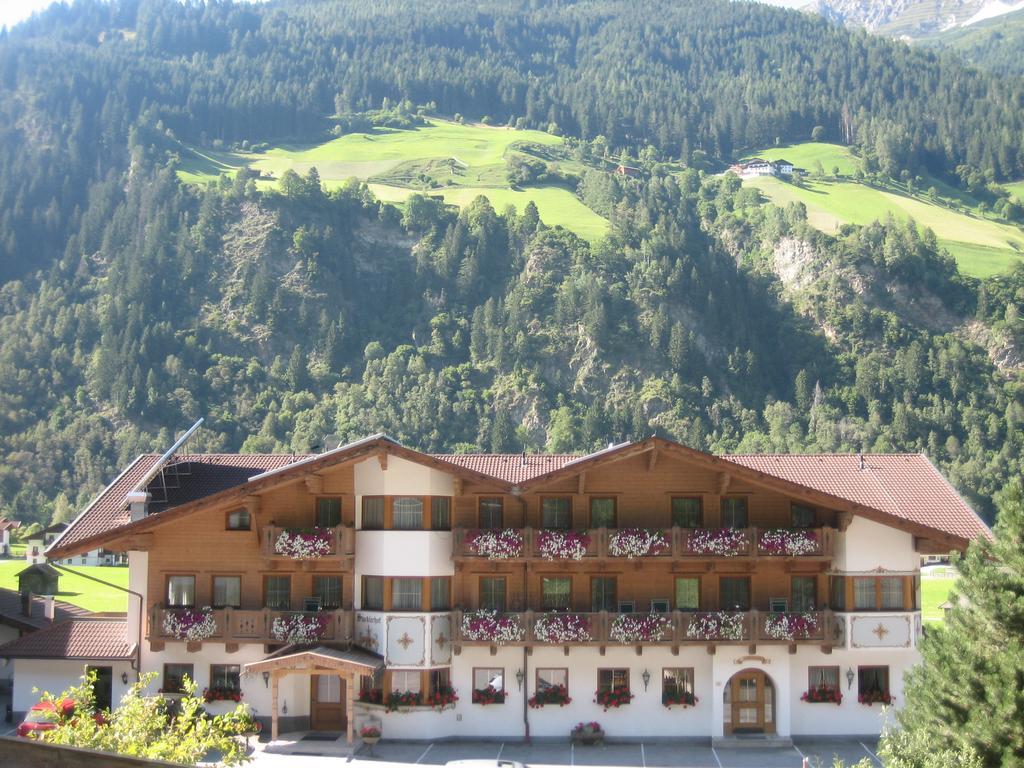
{"points": [[802, 516], [239, 520]]}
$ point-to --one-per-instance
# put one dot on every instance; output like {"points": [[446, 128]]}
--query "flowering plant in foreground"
{"points": [[787, 541], [488, 695], [369, 732], [683, 699], [496, 544], [614, 697], [722, 542], [791, 626], [637, 542], [488, 626], [875, 697], [562, 628], [304, 543], [562, 545], [298, 627], [721, 625], [631, 628], [553, 694], [823, 694], [189, 624]]}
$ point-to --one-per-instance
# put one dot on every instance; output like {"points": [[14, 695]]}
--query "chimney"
{"points": [[862, 465], [48, 608], [524, 458], [26, 603], [138, 503]]}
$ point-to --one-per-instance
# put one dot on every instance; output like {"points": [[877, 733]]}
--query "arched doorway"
{"points": [[749, 698]]}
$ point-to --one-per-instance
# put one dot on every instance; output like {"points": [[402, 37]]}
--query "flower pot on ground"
{"points": [[370, 735], [587, 733]]}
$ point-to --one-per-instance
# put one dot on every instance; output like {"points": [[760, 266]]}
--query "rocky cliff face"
{"points": [[910, 18]]}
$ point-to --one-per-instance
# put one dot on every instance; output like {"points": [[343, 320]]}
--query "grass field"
{"points": [[981, 246], [456, 161], [77, 590], [934, 592], [1017, 188]]}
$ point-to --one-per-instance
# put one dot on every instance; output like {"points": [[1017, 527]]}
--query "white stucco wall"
{"points": [[55, 676], [867, 546], [138, 569], [400, 478], [403, 553]]}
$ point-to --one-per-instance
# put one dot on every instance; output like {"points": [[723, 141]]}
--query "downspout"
{"points": [[136, 665]]}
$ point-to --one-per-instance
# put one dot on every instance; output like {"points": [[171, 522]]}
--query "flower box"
{"points": [[638, 542], [721, 625], [442, 698], [825, 694], [559, 628], [587, 733], [718, 542], [791, 626], [684, 700], [304, 543], [402, 700], [220, 693], [299, 627], [616, 697], [371, 696], [489, 626], [496, 544], [788, 542], [189, 624], [555, 694], [488, 695], [562, 545], [875, 697], [631, 628]]}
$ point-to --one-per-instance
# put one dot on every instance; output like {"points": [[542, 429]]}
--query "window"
{"points": [[873, 683], [328, 512], [864, 594], [892, 593], [602, 593], [610, 679], [870, 593], [277, 592], [687, 512], [373, 593], [406, 594], [407, 513], [492, 512], [734, 593], [440, 680], [803, 590], [822, 677], [227, 591], [555, 593], [373, 513], [602, 513], [552, 678], [238, 520], [327, 589], [677, 685], [488, 677], [174, 675], [226, 677], [440, 593], [661, 605], [734, 512], [441, 513], [403, 680], [837, 593], [181, 591], [492, 593], [802, 516], [556, 512], [688, 593]]}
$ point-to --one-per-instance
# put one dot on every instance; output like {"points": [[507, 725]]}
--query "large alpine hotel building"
{"points": [[515, 595]]}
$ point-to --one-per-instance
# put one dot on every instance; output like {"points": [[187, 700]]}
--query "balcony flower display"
{"points": [[719, 542], [488, 695], [189, 624], [683, 699], [299, 627], [791, 626], [399, 699], [787, 541], [562, 545], [823, 694], [554, 694], [614, 697], [372, 695], [489, 626], [496, 544], [443, 697], [304, 543], [637, 542], [875, 697], [562, 628], [630, 628], [221, 693], [720, 625]]}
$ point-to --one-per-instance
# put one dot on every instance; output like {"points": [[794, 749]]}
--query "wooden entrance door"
{"points": [[327, 703], [750, 707]]}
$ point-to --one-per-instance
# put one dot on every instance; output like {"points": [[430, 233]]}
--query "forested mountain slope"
{"points": [[132, 304]]}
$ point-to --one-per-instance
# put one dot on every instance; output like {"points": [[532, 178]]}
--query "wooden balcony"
{"points": [[527, 544], [340, 544], [672, 629], [234, 626]]}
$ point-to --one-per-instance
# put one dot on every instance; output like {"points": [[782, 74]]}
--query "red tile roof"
{"points": [[510, 467], [11, 613], [87, 639]]}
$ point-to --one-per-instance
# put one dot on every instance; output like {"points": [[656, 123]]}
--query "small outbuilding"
{"points": [[39, 579]]}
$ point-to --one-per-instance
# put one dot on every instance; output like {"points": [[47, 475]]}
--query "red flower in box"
{"points": [[875, 697], [555, 694], [615, 697], [825, 694], [372, 696], [488, 695], [220, 693], [402, 699], [442, 697]]}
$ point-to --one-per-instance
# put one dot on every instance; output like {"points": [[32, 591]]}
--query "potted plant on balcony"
{"points": [[370, 734], [822, 694], [637, 542], [587, 733], [787, 541], [402, 700], [562, 545], [189, 624], [299, 627], [682, 699], [496, 544], [630, 628], [718, 625], [791, 626], [616, 697], [488, 695], [488, 626], [304, 543], [718, 542], [561, 628], [553, 694]]}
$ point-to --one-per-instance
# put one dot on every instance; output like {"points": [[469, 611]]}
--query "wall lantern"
{"points": [[646, 677], [520, 676], [849, 678], [124, 678], [266, 679]]}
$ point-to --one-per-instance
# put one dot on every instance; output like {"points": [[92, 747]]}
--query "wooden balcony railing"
{"points": [[341, 541], [519, 544], [263, 625], [675, 628]]}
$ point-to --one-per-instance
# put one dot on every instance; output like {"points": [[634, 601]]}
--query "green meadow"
{"points": [[456, 161], [935, 590], [78, 590], [982, 246]]}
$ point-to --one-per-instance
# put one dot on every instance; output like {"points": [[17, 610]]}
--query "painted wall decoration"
{"points": [[441, 640], [880, 631], [406, 637], [370, 632]]}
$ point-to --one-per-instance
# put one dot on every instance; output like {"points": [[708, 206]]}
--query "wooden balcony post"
{"points": [[752, 550], [528, 621]]}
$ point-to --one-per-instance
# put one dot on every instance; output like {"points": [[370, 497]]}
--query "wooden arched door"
{"points": [[749, 703]]}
